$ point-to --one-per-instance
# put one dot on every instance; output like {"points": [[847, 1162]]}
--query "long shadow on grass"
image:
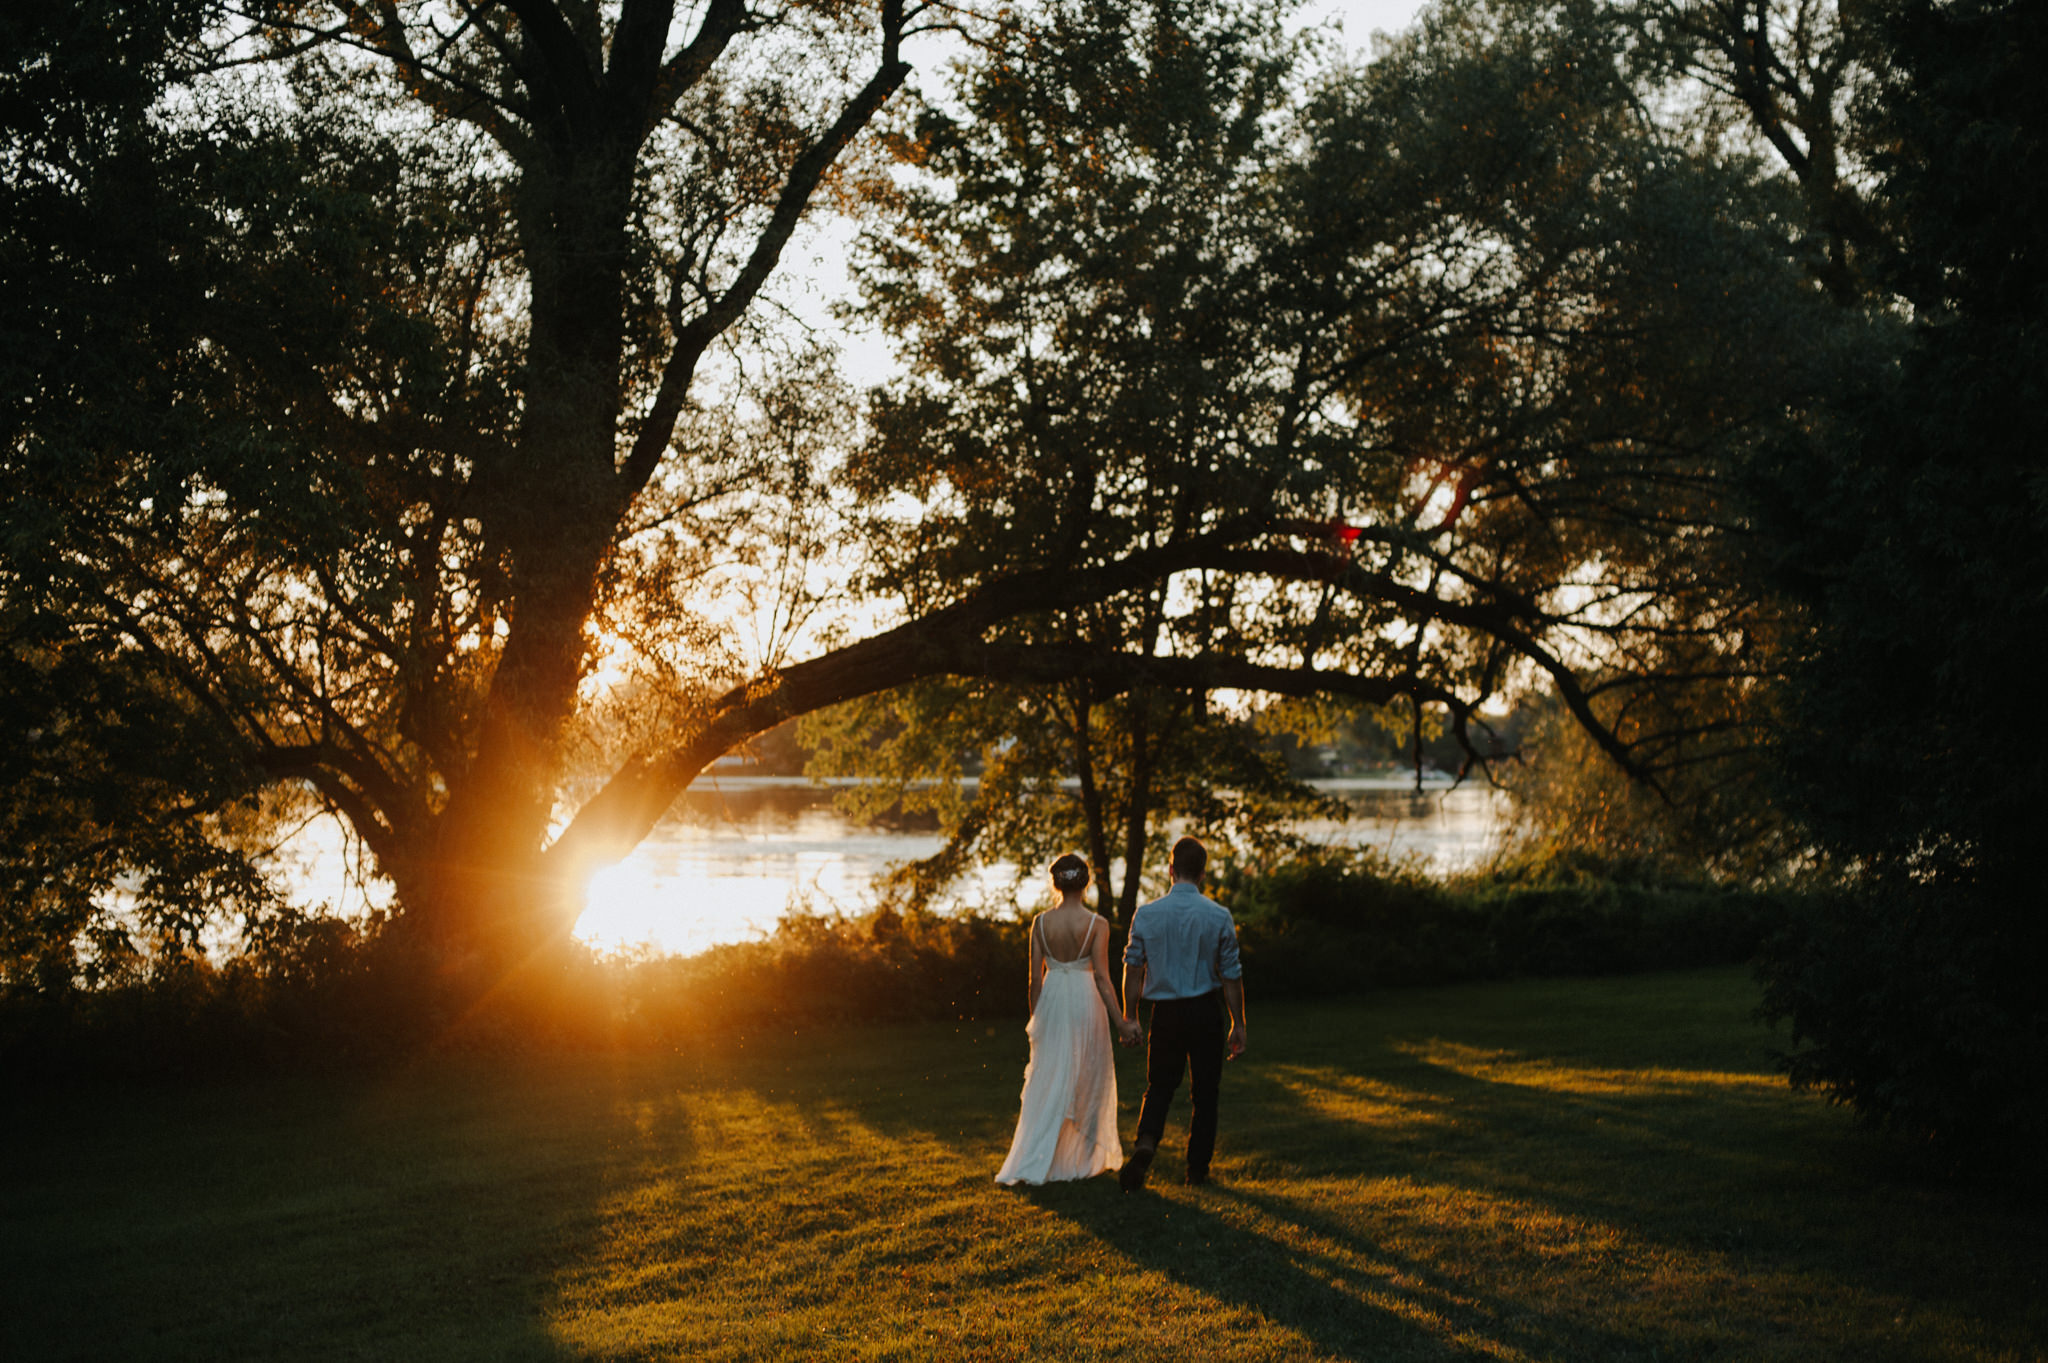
{"points": [[423, 1216], [1719, 1175], [1345, 1294], [1539, 1152], [1666, 1141]]}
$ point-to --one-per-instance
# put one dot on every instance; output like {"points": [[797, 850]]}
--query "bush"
{"points": [[884, 967], [320, 992], [1920, 1011], [1336, 923], [307, 990]]}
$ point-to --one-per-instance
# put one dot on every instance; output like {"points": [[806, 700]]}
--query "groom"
{"points": [[1182, 957]]}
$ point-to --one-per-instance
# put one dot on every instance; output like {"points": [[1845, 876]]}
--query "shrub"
{"points": [[1918, 1010], [884, 967], [312, 991], [1336, 922], [306, 989]]}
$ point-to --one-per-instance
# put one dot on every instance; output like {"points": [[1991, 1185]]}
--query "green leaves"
{"points": [[1911, 530], [1162, 285]]}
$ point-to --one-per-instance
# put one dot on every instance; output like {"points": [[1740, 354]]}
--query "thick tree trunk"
{"points": [[484, 882], [552, 510]]}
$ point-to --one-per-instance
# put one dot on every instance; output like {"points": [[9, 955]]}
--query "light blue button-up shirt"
{"points": [[1186, 942]]}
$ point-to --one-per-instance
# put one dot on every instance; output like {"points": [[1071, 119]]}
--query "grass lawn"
{"points": [[1572, 1170]]}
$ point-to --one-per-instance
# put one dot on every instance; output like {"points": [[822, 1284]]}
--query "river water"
{"points": [[739, 852]]}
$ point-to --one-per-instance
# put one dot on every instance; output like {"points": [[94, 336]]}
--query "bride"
{"points": [[1067, 1128]]}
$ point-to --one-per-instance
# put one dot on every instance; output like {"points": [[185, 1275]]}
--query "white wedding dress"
{"points": [[1067, 1128]]}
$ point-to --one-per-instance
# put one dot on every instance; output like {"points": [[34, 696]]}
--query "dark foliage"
{"points": [[1914, 533], [311, 991], [107, 774], [322, 993], [886, 967], [1905, 1007], [1335, 925]]}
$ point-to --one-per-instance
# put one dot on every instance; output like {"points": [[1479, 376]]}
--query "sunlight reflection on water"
{"points": [[733, 858]]}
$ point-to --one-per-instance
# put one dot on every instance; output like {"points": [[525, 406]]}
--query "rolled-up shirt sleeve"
{"points": [[1227, 967], [1134, 946]]}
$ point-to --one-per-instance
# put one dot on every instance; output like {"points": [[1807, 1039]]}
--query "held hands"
{"points": [[1129, 1032]]}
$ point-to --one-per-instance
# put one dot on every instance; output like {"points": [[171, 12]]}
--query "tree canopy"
{"points": [[408, 378], [1912, 533], [1433, 373]]}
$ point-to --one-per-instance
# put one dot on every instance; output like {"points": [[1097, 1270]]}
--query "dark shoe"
{"points": [[1196, 1178], [1132, 1175]]}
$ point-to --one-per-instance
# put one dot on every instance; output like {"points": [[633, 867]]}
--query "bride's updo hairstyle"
{"points": [[1069, 872]]}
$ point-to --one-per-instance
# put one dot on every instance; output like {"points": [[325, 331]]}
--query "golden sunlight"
{"points": [[635, 906], [1507, 1067], [741, 853]]}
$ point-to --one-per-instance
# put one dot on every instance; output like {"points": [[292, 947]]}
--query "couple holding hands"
{"points": [[1181, 957]]}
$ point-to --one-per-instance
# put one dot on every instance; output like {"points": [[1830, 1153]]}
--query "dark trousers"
{"points": [[1186, 1034]]}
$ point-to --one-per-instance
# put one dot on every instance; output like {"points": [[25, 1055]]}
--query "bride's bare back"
{"points": [[1063, 931]]}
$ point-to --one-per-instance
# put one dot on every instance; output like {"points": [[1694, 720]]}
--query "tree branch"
{"points": [[723, 21], [804, 177]]}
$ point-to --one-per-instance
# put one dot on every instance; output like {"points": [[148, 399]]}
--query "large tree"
{"points": [[423, 294], [1797, 77], [1411, 385], [1448, 359], [1913, 530]]}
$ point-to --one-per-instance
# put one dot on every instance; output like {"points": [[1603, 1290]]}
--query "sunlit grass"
{"points": [[1562, 1170]]}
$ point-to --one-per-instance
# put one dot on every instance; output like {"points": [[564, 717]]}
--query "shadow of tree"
{"points": [[1564, 1169], [418, 1216], [1578, 1170], [1344, 1295]]}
